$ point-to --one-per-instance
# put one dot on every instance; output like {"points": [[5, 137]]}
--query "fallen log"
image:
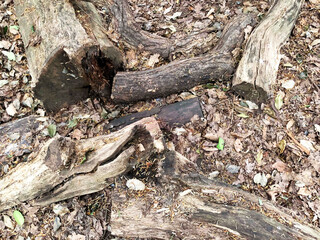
{"points": [[64, 168], [177, 76], [175, 114], [123, 21], [182, 204], [190, 206], [68, 53], [257, 70]]}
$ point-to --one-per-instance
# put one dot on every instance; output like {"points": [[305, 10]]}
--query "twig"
{"points": [[300, 146]]}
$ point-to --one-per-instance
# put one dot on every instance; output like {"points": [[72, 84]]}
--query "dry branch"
{"points": [[185, 74], [67, 53], [257, 70]]}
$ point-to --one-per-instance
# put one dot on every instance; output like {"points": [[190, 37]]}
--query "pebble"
{"points": [[233, 169]]}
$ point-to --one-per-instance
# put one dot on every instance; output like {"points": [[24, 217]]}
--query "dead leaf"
{"points": [[77, 134], [153, 60], [11, 110], [282, 145], [290, 124], [280, 166], [132, 60], [238, 145], [304, 191], [259, 157]]}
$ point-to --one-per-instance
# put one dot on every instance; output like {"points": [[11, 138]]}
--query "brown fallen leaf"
{"points": [[77, 134], [280, 166], [238, 145], [153, 60]]}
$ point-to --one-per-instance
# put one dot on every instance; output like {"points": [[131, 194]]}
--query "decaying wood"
{"points": [[175, 114], [17, 137], [177, 76], [64, 168], [257, 70], [67, 53], [132, 33], [181, 205], [201, 210], [124, 23]]}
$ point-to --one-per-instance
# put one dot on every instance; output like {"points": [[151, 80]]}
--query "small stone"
{"points": [[56, 224], [233, 169], [288, 84], [217, 26], [213, 175]]}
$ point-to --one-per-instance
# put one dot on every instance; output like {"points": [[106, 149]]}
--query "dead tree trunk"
{"points": [[177, 76], [257, 70], [68, 50]]}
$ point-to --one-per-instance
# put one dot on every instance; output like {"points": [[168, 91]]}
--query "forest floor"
{"points": [[263, 151]]}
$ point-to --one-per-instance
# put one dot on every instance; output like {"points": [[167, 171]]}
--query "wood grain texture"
{"points": [[257, 70]]}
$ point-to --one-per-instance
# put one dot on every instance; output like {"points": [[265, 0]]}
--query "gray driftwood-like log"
{"points": [[190, 206], [65, 168], [67, 49], [257, 70], [175, 114], [177, 76]]}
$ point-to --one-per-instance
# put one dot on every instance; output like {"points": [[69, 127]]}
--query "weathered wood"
{"points": [[185, 74], [125, 24], [257, 70], [65, 168], [190, 206], [123, 21], [175, 114], [17, 137], [68, 50]]}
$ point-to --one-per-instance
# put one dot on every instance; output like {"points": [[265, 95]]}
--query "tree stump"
{"points": [[67, 49]]}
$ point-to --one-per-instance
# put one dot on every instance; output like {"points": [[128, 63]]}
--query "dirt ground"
{"points": [[263, 150]]}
